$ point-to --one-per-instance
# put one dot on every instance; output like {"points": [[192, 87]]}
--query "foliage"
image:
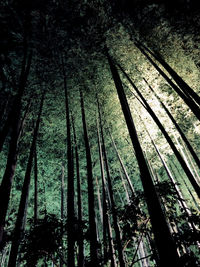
{"points": [[42, 240]]}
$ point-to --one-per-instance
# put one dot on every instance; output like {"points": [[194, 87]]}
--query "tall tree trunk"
{"points": [[15, 112], [112, 202], [123, 168], [36, 187], [168, 138], [191, 104], [194, 155], [62, 187], [174, 167], [91, 209], [106, 230], [80, 220], [19, 226], [6, 184], [99, 201], [70, 179], [161, 231], [194, 167], [181, 83], [125, 189], [181, 200]]}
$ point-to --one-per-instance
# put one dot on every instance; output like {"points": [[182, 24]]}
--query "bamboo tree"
{"points": [[174, 167], [106, 228], [36, 187], [180, 82], [161, 231], [111, 194], [191, 104], [99, 201], [19, 226], [62, 187], [6, 184], [80, 220], [141, 243], [79, 202], [168, 138], [194, 155], [13, 117], [91, 209], [194, 167], [70, 179], [125, 189], [123, 167]]}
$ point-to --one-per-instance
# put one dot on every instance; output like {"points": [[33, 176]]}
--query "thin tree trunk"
{"points": [[6, 184], [123, 168], [181, 200], [168, 138], [106, 228], [62, 187], [36, 187], [183, 155], [91, 209], [70, 179], [161, 231], [80, 241], [19, 226], [99, 201], [111, 194], [125, 189], [174, 167], [141, 244], [191, 104], [191, 161], [14, 114]]}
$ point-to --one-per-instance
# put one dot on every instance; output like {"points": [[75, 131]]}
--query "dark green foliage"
{"points": [[43, 239]]}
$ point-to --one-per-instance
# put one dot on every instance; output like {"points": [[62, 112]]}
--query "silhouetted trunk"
{"points": [[163, 239], [112, 202], [99, 201], [181, 83], [168, 138], [194, 167], [177, 174], [125, 189], [62, 188], [36, 187], [191, 104], [70, 179], [195, 157], [15, 112], [106, 230], [91, 209], [19, 226], [62, 192], [123, 168], [80, 220], [6, 183]]}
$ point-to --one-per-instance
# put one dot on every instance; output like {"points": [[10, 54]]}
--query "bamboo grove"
{"points": [[99, 133]]}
